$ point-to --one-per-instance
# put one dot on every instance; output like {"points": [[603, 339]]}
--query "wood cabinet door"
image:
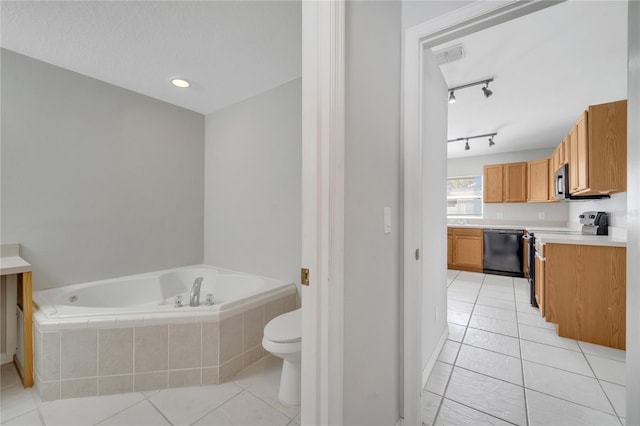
{"points": [[585, 292], [582, 151], [515, 182], [573, 159], [538, 179], [468, 251], [565, 148], [539, 284], [493, 181]]}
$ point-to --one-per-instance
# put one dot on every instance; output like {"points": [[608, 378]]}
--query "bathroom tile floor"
{"points": [[250, 399], [503, 364]]}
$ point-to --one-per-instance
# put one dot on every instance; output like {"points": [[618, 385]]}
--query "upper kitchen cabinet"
{"points": [[493, 183], [598, 150], [538, 179], [505, 183], [515, 182]]}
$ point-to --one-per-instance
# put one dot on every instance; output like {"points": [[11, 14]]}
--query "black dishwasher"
{"points": [[502, 252]]}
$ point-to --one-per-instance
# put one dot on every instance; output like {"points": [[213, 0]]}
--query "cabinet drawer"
{"points": [[468, 232]]}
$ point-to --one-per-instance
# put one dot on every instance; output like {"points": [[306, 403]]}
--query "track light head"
{"points": [[452, 97], [466, 145], [491, 142], [486, 90]]}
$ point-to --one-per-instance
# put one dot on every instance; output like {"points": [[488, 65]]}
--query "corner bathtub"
{"points": [[125, 334]]}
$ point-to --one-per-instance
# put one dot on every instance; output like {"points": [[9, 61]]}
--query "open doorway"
{"points": [[438, 33]]}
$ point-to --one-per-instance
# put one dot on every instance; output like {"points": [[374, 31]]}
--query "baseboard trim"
{"points": [[426, 371]]}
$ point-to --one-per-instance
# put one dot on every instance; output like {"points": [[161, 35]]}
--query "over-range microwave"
{"points": [[561, 187]]}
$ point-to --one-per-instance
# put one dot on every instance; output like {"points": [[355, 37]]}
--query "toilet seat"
{"points": [[285, 328]]}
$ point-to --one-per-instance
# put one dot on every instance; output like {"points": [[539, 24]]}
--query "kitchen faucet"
{"points": [[195, 292]]}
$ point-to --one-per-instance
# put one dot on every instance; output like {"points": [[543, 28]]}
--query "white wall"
{"points": [[373, 263], [416, 12], [253, 184], [434, 209], [633, 219], [616, 206], [554, 213], [97, 181]]}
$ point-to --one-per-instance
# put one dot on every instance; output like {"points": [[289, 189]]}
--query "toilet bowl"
{"points": [[283, 338]]}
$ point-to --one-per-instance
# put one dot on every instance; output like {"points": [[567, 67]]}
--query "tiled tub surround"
{"points": [[101, 355]]}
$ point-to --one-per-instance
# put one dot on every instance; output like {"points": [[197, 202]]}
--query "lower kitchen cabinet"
{"points": [[464, 249], [584, 292]]}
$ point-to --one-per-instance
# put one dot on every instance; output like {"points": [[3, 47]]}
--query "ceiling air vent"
{"points": [[449, 54]]}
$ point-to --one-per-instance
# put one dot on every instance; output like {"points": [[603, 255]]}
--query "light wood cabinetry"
{"points": [[505, 183], [493, 184], [515, 182], [464, 249], [538, 179], [584, 292], [597, 150]]}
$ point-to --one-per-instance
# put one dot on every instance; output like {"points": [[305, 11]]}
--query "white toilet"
{"points": [[283, 338]]}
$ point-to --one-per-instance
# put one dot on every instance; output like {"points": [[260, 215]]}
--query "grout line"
{"points": [[600, 384], [524, 392], [159, 411], [480, 411], [573, 402], [240, 391]]}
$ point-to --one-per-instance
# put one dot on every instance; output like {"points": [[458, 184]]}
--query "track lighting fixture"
{"points": [[487, 92], [466, 139]]}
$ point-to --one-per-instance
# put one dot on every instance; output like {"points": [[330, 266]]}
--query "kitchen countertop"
{"points": [[554, 234]]}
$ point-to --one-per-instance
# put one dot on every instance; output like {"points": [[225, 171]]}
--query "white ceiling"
{"points": [[228, 50], [548, 67]]}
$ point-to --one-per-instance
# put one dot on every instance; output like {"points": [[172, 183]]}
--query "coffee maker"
{"points": [[595, 223]]}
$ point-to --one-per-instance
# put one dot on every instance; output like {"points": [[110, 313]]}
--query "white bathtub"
{"points": [[151, 297], [125, 335]]}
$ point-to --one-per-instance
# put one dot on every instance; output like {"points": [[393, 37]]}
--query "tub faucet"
{"points": [[195, 292]]}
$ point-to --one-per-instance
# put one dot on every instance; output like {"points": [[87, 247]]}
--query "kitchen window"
{"points": [[464, 197]]}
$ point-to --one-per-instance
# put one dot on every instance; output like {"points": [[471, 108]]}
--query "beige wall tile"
{"points": [[210, 376], [50, 356], [48, 391], [210, 343], [76, 388], [229, 369], [79, 354], [252, 355], [150, 381], [289, 303], [115, 351], [253, 327], [230, 338], [182, 378], [151, 348], [185, 346], [272, 310], [115, 384]]}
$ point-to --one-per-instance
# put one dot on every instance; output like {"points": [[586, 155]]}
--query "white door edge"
{"points": [[465, 20], [323, 132]]}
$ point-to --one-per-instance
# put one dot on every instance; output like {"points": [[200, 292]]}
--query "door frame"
{"points": [[323, 136], [465, 20]]}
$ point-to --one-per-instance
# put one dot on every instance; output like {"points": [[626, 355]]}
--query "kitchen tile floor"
{"points": [[250, 399], [503, 364]]}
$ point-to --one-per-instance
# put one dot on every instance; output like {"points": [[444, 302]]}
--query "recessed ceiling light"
{"points": [[180, 82]]}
